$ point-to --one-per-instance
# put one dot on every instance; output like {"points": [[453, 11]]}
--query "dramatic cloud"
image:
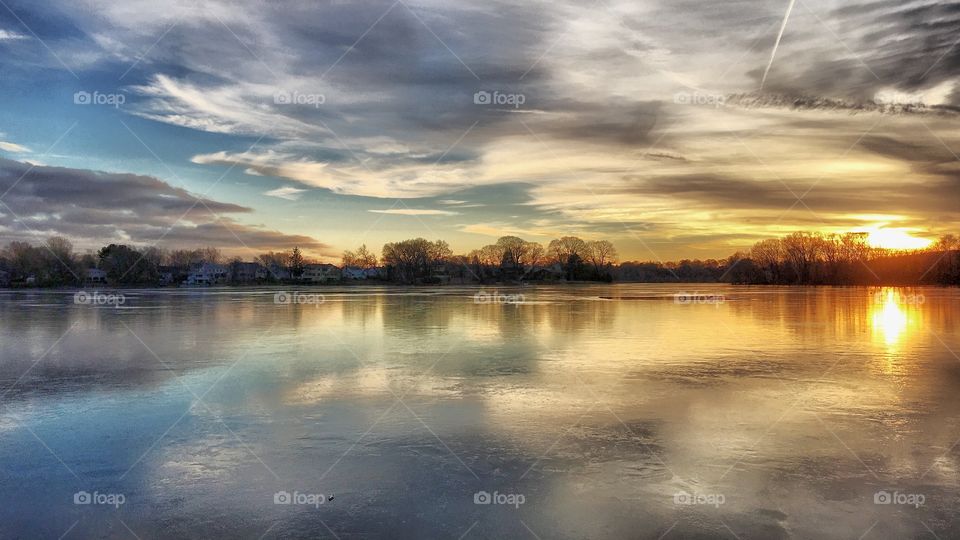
{"points": [[642, 121], [98, 207]]}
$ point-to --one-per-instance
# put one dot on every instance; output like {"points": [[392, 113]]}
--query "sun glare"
{"points": [[895, 239]]}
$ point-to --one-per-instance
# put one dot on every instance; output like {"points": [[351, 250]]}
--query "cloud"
{"points": [[289, 193], [7, 35], [414, 212], [95, 208], [602, 146], [14, 148]]}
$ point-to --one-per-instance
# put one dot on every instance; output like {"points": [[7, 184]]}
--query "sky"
{"points": [[674, 128]]}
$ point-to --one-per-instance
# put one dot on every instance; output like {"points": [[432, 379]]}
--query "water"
{"points": [[584, 411]]}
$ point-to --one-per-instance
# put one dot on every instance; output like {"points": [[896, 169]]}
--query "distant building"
{"points": [[167, 274], [206, 274], [95, 276], [321, 273], [354, 272], [4, 279], [249, 272], [275, 271], [553, 271]]}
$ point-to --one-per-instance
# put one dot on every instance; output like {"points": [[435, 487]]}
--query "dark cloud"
{"points": [[95, 208], [741, 194]]}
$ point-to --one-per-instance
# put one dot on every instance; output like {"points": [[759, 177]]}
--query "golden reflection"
{"points": [[894, 315], [889, 317]]}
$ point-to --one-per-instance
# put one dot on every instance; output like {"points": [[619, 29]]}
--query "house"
{"points": [[248, 272], [275, 271], [167, 274], [320, 273], [95, 276], [4, 279], [375, 273], [206, 274], [550, 272], [354, 272]]}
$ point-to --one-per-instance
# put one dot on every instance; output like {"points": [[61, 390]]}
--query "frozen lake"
{"points": [[608, 411]]}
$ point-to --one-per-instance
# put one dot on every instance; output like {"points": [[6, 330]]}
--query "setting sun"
{"points": [[895, 239]]}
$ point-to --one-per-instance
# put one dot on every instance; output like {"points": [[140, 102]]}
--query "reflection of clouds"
{"points": [[211, 457], [367, 382]]}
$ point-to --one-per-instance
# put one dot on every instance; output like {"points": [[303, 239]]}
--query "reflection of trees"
{"points": [[847, 313], [361, 309], [419, 314]]}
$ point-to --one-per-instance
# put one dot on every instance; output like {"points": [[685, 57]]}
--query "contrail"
{"points": [[776, 44]]}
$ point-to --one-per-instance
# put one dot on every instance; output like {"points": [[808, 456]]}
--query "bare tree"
{"points": [[600, 253]]}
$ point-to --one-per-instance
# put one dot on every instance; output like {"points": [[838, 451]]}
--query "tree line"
{"points": [[811, 258], [801, 258], [413, 261]]}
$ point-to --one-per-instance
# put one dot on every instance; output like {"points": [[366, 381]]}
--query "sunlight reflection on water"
{"points": [[598, 403]]}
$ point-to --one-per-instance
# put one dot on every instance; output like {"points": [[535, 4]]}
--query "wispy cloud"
{"points": [[13, 148], [289, 193], [7, 35]]}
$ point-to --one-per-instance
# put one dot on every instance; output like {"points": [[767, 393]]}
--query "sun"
{"points": [[895, 239]]}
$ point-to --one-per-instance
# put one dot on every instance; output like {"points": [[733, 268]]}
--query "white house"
{"points": [[95, 275], [247, 272], [320, 273], [207, 274], [354, 272]]}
